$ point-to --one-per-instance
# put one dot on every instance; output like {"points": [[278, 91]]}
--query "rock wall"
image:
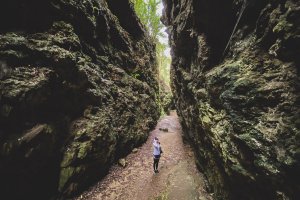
{"points": [[78, 90], [235, 79]]}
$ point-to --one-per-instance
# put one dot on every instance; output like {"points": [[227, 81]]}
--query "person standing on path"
{"points": [[156, 154]]}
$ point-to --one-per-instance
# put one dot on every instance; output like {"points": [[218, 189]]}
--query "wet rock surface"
{"points": [[235, 80], [178, 177], [77, 92]]}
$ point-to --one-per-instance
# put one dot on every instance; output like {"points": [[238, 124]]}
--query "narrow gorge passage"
{"points": [[83, 83], [178, 177]]}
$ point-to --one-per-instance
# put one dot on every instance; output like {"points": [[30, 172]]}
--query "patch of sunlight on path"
{"points": [[178, 177]]}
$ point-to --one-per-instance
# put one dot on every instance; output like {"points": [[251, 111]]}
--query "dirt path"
{"points": [[178, 178]]}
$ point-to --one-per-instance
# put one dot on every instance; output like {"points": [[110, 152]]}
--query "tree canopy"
{"points": [[146, 10]]}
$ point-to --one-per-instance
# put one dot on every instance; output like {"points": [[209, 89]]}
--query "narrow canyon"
{"points": [[80, 89]]}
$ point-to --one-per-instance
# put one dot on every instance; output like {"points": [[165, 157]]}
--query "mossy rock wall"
{"points": [[78, 90], [235, 79]]}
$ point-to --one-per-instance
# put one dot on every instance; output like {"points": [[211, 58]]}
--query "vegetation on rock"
{"points": [[78, 88], [239, 106]]}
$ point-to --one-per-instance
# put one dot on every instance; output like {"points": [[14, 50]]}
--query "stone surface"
{"points": [[78, 91], [122, 162], [135, 150], [235, 80]]}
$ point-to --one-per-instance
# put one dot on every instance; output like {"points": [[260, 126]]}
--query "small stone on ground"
{"points": [[122, 162], [135, 150]]}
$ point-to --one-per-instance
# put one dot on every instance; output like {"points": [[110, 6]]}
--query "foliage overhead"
{"points": [[147, 12]]}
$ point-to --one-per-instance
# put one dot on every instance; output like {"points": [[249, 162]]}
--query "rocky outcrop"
{"points": [[78, 90], [235, 79]]}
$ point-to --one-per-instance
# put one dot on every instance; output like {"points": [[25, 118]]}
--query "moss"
{"points": [[12, 53], [209, 116], [84, 149], [223, 104], [206, 122], [22, 80], [282, 26], [68, 158], [65, 175], [275, 48], [262, 162], [60, 68], [201, 94]]}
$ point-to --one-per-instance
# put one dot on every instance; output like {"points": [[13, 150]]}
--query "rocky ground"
{"points": [[178, 177]]}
